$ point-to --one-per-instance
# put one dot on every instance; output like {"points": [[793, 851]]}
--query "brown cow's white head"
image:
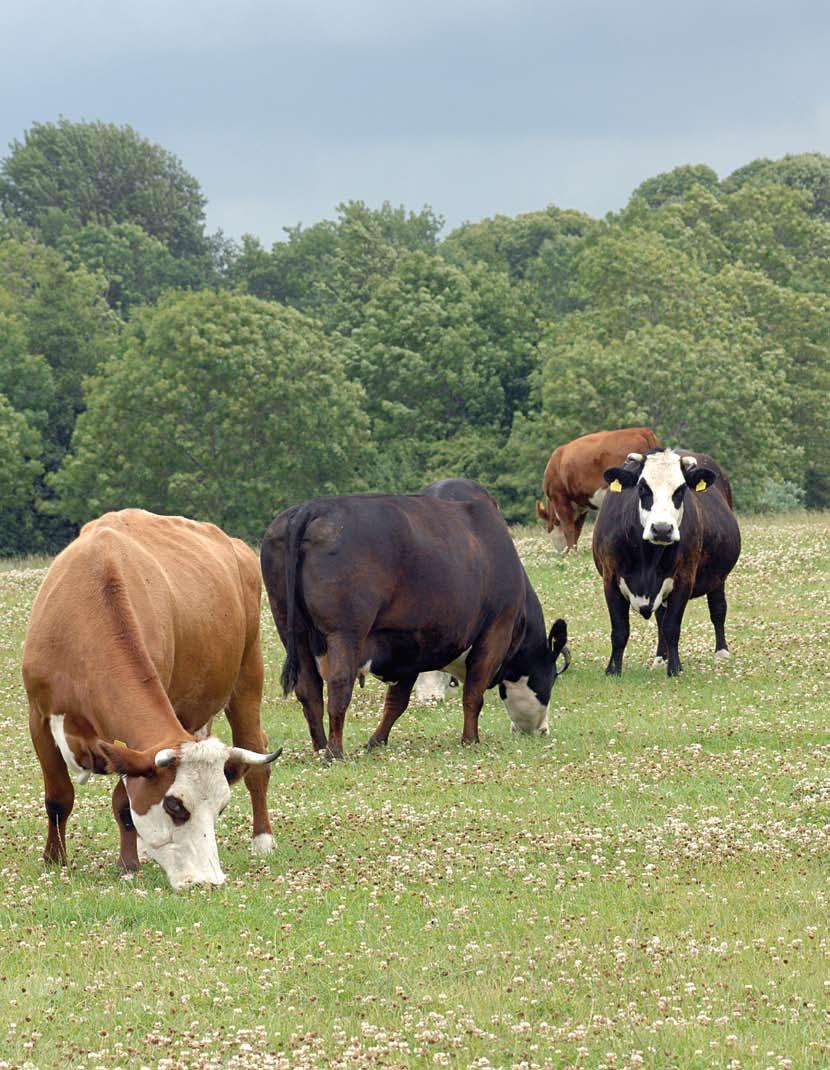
{"points": [[175, 796]]}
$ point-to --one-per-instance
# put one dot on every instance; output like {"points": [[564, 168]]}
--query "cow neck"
{"points": [[139, 714]]}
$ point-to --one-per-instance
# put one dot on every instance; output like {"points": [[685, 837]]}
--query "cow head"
{"points": [[527, 697], [662, 479], [175, 796]]}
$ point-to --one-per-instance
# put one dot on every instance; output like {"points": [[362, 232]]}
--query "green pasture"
{"points": [[646, 887]]}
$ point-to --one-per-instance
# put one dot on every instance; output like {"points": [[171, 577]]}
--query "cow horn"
{"points": [[165, 758], [688, 461], [252, 757], [566, 654]]}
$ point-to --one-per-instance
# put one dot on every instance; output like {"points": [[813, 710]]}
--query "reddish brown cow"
{"points": [[573, 482], [143, 629]]}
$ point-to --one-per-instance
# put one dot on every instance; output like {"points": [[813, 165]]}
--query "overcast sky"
{"points": [[282, 109]]}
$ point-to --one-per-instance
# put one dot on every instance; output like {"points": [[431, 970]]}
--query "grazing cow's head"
{"points": [[662, 479], [527, 698], [175, 796]]}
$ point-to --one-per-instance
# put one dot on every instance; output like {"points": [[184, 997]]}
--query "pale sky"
{"points": [[283, 109]]}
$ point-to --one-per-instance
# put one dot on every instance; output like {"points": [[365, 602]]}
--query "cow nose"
{"points": [[662, 531]]}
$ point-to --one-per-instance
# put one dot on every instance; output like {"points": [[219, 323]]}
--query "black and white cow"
{"points": [[665, 533]]}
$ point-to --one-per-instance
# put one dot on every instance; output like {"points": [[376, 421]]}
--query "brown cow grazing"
{"points": [[143, 629], [573, 482], [402, 584]]}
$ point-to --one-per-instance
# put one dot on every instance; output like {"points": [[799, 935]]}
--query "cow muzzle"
{"points": [[662, 533]]}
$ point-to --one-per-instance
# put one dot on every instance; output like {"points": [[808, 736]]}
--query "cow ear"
{"points": [[558, 636], [124, 760], [617, 478], [700, 478], [234, 771]]}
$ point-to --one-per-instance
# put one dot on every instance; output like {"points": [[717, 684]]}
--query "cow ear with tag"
{"points": [[121, 759], [699, 479], [617, 478]]}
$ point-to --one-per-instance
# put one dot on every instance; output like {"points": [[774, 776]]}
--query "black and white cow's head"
{"points": [[527, 697], [662, 479]]}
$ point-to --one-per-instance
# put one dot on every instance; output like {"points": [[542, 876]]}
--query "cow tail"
{"points": [[291, 668]]}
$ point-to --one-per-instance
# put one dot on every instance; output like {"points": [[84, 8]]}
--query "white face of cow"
{"points": [[662, 490], [557, 537], [527, 714], [178, 831]]}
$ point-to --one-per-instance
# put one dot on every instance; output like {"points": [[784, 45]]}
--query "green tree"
{"points": [[331, 269], [19, 468], [441, 353], [66, 322], [221, 407], [807, 171], [675, 185], [65, 175], [137, 267]]}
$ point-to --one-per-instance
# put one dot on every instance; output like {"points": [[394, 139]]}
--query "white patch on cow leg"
{"points": [[722, 655], [262, 844], [361, 672], [322, 665], [80, 775], [638, 601]]}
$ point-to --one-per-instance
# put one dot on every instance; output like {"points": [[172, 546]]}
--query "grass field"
{"points": [[647, 887]]}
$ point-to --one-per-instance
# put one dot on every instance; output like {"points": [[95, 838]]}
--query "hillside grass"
{"points": [[647, 887]]}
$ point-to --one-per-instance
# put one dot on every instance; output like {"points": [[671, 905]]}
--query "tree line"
{"points": [[146, 362]]}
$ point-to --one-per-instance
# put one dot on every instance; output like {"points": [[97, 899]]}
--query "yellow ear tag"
{"points": [[615, 486], [120, 743], [702, 485]]}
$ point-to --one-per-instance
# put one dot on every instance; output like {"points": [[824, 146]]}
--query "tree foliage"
{"points": [[220, 407]]}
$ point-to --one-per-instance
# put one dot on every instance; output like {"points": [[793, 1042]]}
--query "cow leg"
{"points": [[396, 701], [482, 664], [618, 608], [565, 512], [342, 664], [309, 690], [59, 794], [662, 653], [128, 854], [675, 608], [243, 713], [717, 614], [579, 524]]}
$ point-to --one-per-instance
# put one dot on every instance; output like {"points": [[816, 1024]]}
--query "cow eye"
{"points": [[677, 497], [646, 495], [176, 809]]}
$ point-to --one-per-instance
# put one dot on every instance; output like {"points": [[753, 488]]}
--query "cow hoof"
{"points": [[722, 655], [372, 742], [330, 755], [262, 844], [612, 670], [465, 742], [658, 663]]}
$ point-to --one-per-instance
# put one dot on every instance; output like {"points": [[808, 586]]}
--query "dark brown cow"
{"points": [[573, 482], [665, 533], [397, 585], [143, 629]]}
